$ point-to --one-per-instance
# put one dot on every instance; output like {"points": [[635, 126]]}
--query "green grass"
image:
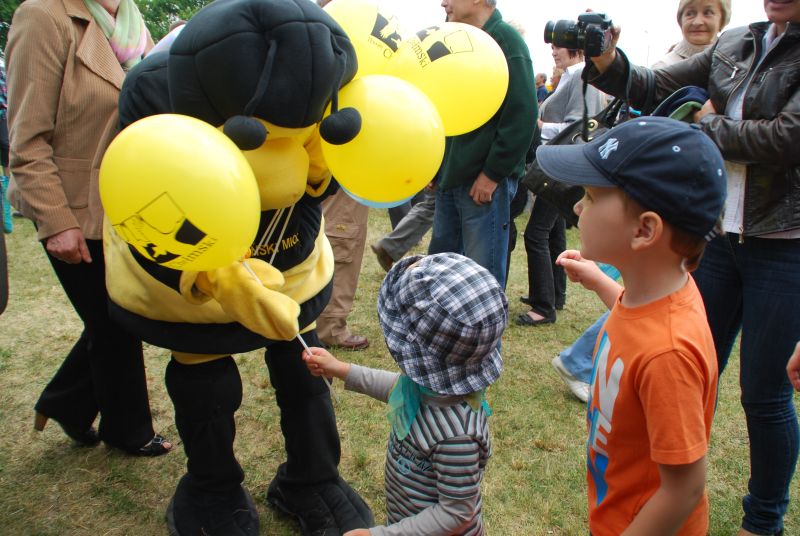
{"points": [[534, 484]]}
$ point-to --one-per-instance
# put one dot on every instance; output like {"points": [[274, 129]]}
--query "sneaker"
{"points": [[578, 388]]}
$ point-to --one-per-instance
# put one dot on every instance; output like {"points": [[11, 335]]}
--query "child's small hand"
{"points": [[793, 367], [357, 532], [588, 274], [320, 362], [580, 270]]}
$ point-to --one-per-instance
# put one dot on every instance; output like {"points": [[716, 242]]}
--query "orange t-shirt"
{"points": [[654, 387]]}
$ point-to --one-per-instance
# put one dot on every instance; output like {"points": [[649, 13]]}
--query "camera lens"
{"points": [[548, 31], [563, 33]]}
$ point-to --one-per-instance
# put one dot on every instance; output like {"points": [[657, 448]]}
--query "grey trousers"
{"points": [[411, 228]]}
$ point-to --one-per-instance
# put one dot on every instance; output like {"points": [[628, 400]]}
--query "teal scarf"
{"points": [[405, 398]]}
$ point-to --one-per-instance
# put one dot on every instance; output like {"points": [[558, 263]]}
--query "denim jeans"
{"points": [[479, 232], [545, 239], [754, 287], [578, 358]]}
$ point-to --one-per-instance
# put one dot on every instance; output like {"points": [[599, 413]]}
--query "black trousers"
{"points": [[545, 239], [104, 371], [207, 395]]}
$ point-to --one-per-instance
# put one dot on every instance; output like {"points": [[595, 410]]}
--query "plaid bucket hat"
{"points": [[442, 318]]}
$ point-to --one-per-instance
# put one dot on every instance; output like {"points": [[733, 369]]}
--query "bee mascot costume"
{"points": [[264, 72]]}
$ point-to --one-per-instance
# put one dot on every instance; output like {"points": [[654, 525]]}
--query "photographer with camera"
{"points": [[748, 278], [545, 234]]}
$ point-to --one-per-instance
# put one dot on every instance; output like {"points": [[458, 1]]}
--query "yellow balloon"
{"points": [[400, 145], [180, 192], [460, 68], [373, 32]]}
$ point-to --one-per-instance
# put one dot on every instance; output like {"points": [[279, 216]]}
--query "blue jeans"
{"points": [[754, 287], [479, 232], [578, 357]]}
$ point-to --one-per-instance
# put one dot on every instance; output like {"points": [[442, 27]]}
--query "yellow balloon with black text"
{"points": [[400, 145], [461, 69], [180, 192], [373, 32]]}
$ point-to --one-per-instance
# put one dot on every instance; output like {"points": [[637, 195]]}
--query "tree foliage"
{"points": [[7, 8], [158, 14]]}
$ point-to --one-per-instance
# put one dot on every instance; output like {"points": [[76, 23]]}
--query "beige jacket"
{"points": [[64, 83]]}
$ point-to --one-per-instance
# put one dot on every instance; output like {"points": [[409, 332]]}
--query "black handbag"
{"points": [[564, 196]]}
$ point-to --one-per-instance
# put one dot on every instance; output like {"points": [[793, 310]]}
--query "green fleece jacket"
{"points": [[498, 147]]}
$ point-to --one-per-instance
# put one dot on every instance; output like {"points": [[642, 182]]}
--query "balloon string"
{"points": [[280, 236], [247, 267], [270, 229], [330, 385], [299, 337]]}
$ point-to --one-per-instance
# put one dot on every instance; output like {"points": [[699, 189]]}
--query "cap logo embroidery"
{"points": [[608, 147]]}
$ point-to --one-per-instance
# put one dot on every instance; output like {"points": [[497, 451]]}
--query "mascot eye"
{"points": [[247, 133], [341, 127]]}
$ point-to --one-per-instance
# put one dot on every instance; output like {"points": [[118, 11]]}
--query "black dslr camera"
{"points": [[591, 33]]}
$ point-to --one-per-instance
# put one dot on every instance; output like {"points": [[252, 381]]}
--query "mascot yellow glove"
{"points": [[255, 304]]}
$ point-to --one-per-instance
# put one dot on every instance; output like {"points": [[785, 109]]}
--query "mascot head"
{"points": [[278, 61]]}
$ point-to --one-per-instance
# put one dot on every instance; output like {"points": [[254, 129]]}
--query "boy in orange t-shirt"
{"points": [[655, 189]]}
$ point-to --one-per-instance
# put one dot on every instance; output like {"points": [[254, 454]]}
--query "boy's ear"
{"points": [[648, 232]]}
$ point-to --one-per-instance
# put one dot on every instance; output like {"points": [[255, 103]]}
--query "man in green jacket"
{"points": [[481, 168]]}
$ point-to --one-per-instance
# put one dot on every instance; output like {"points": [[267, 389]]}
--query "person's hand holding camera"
{"points": [[604, 60]]}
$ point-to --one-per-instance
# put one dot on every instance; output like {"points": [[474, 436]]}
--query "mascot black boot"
{"points": [[209, 499], [308, 486]]}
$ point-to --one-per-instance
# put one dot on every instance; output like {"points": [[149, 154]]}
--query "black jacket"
{"points": [[767, 140]]}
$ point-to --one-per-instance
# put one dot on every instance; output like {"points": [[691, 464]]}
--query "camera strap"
{"points": [[609, 115], [585, 78]]}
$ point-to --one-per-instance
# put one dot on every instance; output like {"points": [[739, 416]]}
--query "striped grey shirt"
{"points": [[433, 476]]}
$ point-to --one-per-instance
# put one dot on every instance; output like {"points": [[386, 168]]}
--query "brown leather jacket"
{"points": [[768, 137]]}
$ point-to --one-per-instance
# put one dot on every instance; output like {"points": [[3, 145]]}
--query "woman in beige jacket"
{"points": [[66, 63]]}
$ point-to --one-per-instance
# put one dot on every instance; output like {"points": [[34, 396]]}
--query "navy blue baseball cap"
{"points": [[667, 166]]}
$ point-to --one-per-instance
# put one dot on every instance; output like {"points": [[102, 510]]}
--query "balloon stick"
{"points": [[299, 338], [329, 384]]}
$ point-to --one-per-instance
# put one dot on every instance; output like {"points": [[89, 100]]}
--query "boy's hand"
{"points": [[320, 362], [357, 532], [580, 270], [588, 274], [793, 368]]}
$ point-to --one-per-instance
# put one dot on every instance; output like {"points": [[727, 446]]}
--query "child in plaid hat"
{"points": [[442, 317]]}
